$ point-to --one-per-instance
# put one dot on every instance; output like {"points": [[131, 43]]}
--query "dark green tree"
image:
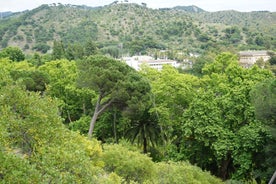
{"points": [[110, 79], [74, 52], [263, 97], [233, 35], [13, 53], [33, 80], [58, 50], [145, 129], [90, 48]]}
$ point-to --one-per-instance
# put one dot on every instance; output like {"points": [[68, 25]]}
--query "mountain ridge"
{"points": [[133, 28]]}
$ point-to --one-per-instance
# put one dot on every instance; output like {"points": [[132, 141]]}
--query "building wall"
{"points": [[249, 58], [136, 62]]}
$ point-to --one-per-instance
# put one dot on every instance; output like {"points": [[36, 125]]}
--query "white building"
{"points": [[136, 62], [249, 58]]}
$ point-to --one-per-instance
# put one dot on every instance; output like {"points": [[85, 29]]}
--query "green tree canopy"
{"points": [[113, 82], [263, 97], [172, 92], [220, 131], [13, 53]]}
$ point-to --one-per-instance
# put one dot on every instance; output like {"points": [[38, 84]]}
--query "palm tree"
{"points": [[145, 129]]}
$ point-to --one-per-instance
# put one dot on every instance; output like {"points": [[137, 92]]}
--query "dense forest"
{"points": [[72, 112]]}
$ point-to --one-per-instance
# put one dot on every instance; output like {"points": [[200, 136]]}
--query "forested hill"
{"points": [[133, 28]]}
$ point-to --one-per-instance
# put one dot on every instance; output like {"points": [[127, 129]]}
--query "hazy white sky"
{"points": [[209, 5]]}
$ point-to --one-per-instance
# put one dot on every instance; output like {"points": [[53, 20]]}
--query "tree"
{"points": [[35, 147], [129, 164], [13, 53], [90, 48], [172, 92], [145, 128], [58, 50], [5, 66], [63, 75], [233, 35], [220, 122], [33, 80], [111, 80], [263, 97], [74, 52]]}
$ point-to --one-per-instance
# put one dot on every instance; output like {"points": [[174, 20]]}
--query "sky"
{"points": [[208, 5]]}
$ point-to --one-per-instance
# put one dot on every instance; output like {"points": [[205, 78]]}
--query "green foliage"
{"points": [[135, 167], [264, 100], [90, 48], [41, 47], [13, 53], [128, 164], [25, 125], [33, 80], [220, 122], [14, 169], [74, 52], [81, 125], [101, 74], [171, 94], [62, 85], [179, 173], [233, 35], [145, 129], [199, 64], [115, 83], [58, 51], [36, 147], [5, 78], [263, 97], [138, 29]]}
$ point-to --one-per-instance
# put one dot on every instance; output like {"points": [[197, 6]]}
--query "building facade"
{"points": [[249, 58], [137, 61]]}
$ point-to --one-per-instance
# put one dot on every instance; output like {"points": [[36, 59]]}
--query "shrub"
{"points": [[129, 164]]}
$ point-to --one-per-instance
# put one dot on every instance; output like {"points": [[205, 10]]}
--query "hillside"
{"points": [[132, 29], [192, 9]]}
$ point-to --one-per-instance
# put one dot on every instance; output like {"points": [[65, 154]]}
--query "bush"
{"points": [[37, 148], [14, 169], [183, 173], [129, 164]]}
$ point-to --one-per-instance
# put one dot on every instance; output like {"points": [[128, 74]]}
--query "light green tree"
{"points": [[172, 92], [220, 131], [62, 85]]}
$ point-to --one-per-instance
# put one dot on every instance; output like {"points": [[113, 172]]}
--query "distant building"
{"points": [[249, 58], [136, 62]]}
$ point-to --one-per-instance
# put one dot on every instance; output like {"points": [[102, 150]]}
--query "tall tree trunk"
{"points": [[92, 122], [223, 170], [99, 109], [272, 178], [114, 126], [145, 145], [94, 118]]}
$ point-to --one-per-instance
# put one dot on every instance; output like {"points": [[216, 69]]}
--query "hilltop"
{"points": [[132, 28]]}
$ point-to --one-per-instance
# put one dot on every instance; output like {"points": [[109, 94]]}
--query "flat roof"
{"points": [[259, 52]]}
